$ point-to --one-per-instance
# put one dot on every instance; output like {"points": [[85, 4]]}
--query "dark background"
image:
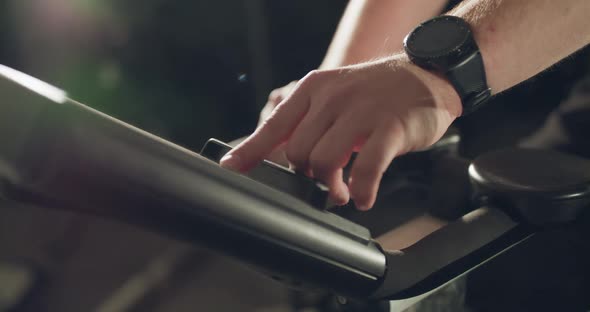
{"points": [[187, 71]]}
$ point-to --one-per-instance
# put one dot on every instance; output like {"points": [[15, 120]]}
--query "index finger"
{"points": [[274, 131]]}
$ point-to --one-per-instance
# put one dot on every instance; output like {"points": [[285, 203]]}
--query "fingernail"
{"points": [[340, 200], [231, 162], [363, 207]]}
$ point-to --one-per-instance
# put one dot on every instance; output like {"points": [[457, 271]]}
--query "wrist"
{"points": [[442, 91]]}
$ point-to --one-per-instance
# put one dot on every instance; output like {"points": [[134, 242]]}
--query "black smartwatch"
{"points": [[445, 44]]}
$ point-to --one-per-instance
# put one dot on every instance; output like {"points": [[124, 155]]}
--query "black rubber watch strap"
{"points": [[469, 79]]}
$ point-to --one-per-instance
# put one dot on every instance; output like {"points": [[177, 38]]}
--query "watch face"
{"points": [[438, 37]]}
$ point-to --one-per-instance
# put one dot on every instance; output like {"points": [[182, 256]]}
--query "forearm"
{"points": [[370, 29], [520, 38]]}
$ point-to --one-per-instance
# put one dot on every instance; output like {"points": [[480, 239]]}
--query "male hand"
{"points": [[379, 109]]}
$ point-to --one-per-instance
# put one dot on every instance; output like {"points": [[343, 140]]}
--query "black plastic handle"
{"points": [[450, 252], [276, 176]]}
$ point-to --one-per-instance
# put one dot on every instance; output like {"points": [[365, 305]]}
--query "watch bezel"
{"points": [[449, 56]]}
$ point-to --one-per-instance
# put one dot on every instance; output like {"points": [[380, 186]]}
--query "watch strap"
{"points": [[469, 80]]}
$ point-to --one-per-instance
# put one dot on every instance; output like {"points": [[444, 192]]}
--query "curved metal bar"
{"points": [[450, 252]]}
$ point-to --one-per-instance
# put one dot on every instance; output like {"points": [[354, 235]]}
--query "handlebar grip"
{"points": [[69, 156]]}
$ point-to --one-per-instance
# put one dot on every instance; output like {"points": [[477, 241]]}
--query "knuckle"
{"points": [[275, 95], [314, 73], [311, 77]]}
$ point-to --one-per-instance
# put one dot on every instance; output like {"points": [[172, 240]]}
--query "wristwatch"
{"points": [[445, 45]]}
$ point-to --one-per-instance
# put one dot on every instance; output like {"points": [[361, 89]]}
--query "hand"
{"points": [[381, 109]]}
